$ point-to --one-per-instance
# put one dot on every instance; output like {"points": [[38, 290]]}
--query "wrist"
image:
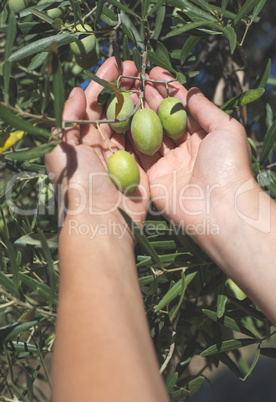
{"points": [[241, 213], [103, 227]]}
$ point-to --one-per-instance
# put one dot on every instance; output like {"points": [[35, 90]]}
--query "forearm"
{"points": [[244, 246], [103, 348]]}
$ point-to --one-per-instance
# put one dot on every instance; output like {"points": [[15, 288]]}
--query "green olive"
{"points": [[234, 290], [127, 108], [124, 171], [147, 131], [86, 49], [57, 12], [173, 117], [17, 5]]}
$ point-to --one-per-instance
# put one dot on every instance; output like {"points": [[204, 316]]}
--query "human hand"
{"points": [[194, 178], [77, 166]]}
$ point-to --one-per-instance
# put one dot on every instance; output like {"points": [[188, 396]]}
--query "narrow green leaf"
{"points": [[221, 302], [156, 7], [192, 25], [230, 364], [20, 124], [180, 395], [264, 75], [171, 381], [42, 45], [99, 81], [269, 141], [37, 61], [42, 15], [176, 310], [49, 259], [224, 4], [99, 10], [21, 347], [58, 87], [33, 153], [204, 5], [126, 51], [245, 9], [244, 306], [255, 361], [268, 116], [174, 258], [194, 385], [229, 323], [228, 346], [124, 8], [159, 21], [10, 38], [34, 240], [175, 291], [142, 239], [189, 7], [137, 59], [243, 99], [257, 9], [11, 34], [145, 8], [20, 328], [41, 289], [189, 45], [13, 263], [159, 61], [231, 36], [8, 284], [116, 52], [268, 352]]}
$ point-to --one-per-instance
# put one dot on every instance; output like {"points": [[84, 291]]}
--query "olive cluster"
{"points": [[147, 130]]}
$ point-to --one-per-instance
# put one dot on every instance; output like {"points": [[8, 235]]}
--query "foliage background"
{"points": [[227, 48]]}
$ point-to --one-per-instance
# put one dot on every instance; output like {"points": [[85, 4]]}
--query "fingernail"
{"points": [[72, 93]]}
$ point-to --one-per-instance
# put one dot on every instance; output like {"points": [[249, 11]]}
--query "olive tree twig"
{"points": [[170, 353]]}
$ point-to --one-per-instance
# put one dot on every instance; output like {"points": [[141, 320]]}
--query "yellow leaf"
{"points": [[120, 99], [7, 140]]}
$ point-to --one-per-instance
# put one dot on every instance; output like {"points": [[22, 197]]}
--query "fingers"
{"points": [[208, 115], [109, 72], [176, 89], [156, 92]]}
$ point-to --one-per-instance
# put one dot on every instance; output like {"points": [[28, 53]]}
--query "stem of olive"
{"points": [[103, 137]]}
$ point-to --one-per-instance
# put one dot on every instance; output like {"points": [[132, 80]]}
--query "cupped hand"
{"points": [[78, 166], [195, 177]]}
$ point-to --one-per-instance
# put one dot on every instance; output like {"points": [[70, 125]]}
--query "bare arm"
{"points": [[103, 350]]}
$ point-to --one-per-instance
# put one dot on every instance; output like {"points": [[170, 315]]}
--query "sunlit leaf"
{"points": [[33, 153], [228, 346], [175, 291], [230, 323], [20, 124], [264, 75], [7, 140], [171, 381], [243, 99], [245, 9], [42, 45]]}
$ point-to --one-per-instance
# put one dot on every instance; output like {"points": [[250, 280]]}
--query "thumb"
{"points": [[74, 109]]}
